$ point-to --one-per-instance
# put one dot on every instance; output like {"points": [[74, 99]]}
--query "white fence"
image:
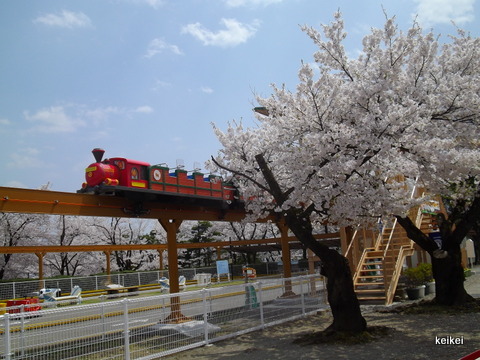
{"points": [[13, 290], [154, 326]]}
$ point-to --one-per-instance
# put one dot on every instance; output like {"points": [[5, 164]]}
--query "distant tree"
{"points": [[15, 230], [198, 232], [155, 236], [406, 106], [251, 231], [118, 231], [66, 231]]}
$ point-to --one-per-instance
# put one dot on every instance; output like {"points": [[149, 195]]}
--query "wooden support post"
{"points": [[160, 258], [171, 227], [311, 261], [107, 267], [40, 269], [286, 259], [311, 270]]}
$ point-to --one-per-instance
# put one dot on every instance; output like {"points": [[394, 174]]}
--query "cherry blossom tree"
{"points": [[71, 230], [119, 231], [408, 104], [250, 231], [15, 230]]}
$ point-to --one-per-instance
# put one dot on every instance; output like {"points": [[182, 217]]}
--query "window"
{"points": [[134, 173], [120, 164], [144, 172]]}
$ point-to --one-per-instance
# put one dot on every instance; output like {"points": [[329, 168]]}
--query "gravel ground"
{"points": [[409, 337]]}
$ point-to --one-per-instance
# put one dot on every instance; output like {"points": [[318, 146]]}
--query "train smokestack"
{"points": [[98, 154]]}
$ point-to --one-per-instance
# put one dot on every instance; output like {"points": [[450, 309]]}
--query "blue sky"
{"points": [[145, 79]]}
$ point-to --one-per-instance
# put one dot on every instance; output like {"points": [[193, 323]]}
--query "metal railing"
{"points": [[154, 326], [21, 289]]}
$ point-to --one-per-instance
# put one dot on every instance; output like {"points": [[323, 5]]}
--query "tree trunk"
{"points": [[341, 295], [6, 259], [449, 278], [446, 263], [343, 301]]}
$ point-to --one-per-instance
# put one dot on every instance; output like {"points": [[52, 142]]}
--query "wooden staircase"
{"points": [[379, 268]]}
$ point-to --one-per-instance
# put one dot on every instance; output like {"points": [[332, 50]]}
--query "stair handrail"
{"points": [[397, 270], [351, 242], [359, 266], [390, 237], [393, 281], [379, 240], [390, 292]]}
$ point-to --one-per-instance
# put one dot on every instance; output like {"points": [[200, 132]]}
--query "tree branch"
{"points": [[471, 216], [249, 178], [275, 189], [415, 234]]}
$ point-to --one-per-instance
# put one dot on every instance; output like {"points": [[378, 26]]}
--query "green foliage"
{"points": [[419, 275], [202, 232], [150, 238], [426, 270]]}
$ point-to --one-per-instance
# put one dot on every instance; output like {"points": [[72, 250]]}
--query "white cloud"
{"points": [[4, 121], [431, 12], [206, 89], [98, 115], [16, 184], [144, 109], [158, 46], [153, 3], [234, 34], [237, 3], [160, 84], [65, 19], [53, 120], [71, 117], [26, 158]]}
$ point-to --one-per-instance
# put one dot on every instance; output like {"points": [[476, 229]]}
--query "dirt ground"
{"points": [[409, 337]]}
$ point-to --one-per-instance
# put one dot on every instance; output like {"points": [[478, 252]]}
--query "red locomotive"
{"points": [[142, 181]]}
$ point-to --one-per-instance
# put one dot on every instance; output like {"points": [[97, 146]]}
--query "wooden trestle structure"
{"points": [[376, 258], [170, 216]]}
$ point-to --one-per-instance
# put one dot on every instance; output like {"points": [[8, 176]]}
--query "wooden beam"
{"points": [[15, 200], [158, 247]]}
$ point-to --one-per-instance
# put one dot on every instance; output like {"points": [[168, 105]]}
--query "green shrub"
{"points": [[413, 277], [419, 275], [427, 272]]}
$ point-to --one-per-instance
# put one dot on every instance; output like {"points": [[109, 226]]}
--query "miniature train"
{"points": [[142, 181]]}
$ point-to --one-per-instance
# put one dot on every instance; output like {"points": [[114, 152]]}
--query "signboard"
{"points": [[222, 267]]}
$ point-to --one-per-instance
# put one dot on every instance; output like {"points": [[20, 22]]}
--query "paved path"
{"points": [[472, 283]]}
